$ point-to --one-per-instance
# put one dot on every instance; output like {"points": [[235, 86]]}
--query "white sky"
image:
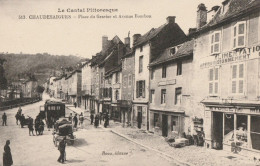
{"points": [[82, 37]]}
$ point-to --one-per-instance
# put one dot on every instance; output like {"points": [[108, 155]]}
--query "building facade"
{"points": [[146, 49], [170, 106], [227, 56]]}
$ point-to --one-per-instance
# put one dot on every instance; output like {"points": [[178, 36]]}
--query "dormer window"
{"points": [[141, 49], [173, 51], [239, 33], [215, 42]]}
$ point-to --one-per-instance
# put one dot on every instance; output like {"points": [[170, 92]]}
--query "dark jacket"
{"points": [[4, 117], [62, 145], [7, 156]]}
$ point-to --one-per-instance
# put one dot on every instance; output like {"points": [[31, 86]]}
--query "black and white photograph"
{"points": [[130, 82]]}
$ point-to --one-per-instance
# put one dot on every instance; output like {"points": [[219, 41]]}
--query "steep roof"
{"points": [[149, 35], [234, 9], [185, 49]]}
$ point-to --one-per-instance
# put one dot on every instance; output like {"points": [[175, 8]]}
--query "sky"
{"points": [[83, 37]]}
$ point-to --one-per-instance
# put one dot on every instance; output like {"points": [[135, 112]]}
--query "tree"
{"points": [[3, 80], [39, 89]]}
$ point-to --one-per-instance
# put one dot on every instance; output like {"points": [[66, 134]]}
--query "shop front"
{"points": [[115, 112], [166, 123], [125, 111], [234, 128]]}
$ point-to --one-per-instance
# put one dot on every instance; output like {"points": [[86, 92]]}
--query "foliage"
{"points": [[40, 89], [3, 80]]}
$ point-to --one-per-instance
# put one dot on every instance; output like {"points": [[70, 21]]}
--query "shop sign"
{"points": [[229, 110], [237, 55]]}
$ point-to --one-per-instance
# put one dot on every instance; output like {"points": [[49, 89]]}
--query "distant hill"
{"points": [[41, 65]]}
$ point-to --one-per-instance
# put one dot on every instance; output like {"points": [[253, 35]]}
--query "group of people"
{"points": [[98, 119], [77, 120]]}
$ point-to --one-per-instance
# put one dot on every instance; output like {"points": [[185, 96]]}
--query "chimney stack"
{"points": [[104, 42], [170, 19], [127, 42], [192, 30], [136, 37], [201, 15]]}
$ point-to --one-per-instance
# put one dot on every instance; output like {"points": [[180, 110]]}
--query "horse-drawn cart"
{"points": [[63, 128]]}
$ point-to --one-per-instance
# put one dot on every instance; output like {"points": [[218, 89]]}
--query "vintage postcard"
{"points": [[127, 82]]}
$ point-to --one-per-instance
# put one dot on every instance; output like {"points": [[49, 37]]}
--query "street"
{"points": [[93, 146]]}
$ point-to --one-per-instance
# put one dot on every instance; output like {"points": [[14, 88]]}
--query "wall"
{"points": [[128, 72]]}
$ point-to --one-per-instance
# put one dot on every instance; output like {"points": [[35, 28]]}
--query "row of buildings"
{"points": [[22, 88], [170, 83]]}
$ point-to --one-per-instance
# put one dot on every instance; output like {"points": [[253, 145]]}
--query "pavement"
{"points": [[189, 155]]}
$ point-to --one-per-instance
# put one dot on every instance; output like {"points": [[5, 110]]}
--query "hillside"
{"points": [[41, 65]]}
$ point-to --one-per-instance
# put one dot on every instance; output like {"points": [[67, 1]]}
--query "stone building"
{"points": [[86, 85], [170, 110], [128, 72], [146, 48], [74, 87], [226, 78]]}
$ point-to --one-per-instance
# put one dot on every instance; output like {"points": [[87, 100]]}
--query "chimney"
{"points": [[127, 42], [212, 13], [104, 42], [192, 30], [136, 37], [170, 19], [201, 15]]}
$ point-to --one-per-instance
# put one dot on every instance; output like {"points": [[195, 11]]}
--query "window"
{"points": [[152, 96], [173, 50], [141, 64], [237, 77], [101, 77], [125, 81], [215, 42], [140, 89], [117, 77], [179, 68], [156, 120], [152, 74], [164, 71], [239, 31], [116, 95], [178, 96], [163, 96], [130, 80], [213, 81], [141, 49]]}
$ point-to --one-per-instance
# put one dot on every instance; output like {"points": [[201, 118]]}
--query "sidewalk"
{"points": [[189, 155]]}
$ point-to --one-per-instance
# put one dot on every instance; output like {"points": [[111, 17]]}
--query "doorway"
{"points": [[217, 130], [164, 125], [139, 119]]}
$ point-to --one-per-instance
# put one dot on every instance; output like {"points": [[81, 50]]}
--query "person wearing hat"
{"points": [[7, 156], [61, 148], [4, 117]]}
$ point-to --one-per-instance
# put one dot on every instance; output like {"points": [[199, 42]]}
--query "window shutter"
{"points": [[241, 70], [216, 73], [234, 71], [137, 89], [211, 74], [240, 87], [233, 86], [216, 87], [143, 89], [210, 88]]}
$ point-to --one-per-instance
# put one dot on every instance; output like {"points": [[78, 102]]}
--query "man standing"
{"points": [[81, 119], [75, 119], [7, 156], [61, 148], [22, 120], [4, 117], [17, 117], [92, 118]]}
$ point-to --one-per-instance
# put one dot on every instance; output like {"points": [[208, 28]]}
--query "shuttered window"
{"points": [[237, 82], [215, 42], [213, 81], [239, 34], [140, 89]]}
